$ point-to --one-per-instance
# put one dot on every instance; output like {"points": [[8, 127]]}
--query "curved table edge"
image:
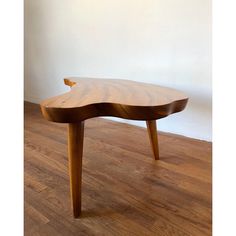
{"points": [[78, 114]]}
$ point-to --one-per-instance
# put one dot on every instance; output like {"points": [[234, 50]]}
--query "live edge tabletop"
{"points": [[92, 97]]}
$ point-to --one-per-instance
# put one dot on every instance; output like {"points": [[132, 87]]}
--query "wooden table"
{"points": [[90, 97]]}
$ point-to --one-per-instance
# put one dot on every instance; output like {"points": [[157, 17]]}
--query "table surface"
{"points": [[92, 97]]}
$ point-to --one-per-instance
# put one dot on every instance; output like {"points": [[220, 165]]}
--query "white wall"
{"points": [[165, 42]]}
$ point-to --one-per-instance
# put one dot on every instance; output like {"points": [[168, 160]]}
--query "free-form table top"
{"points": [[92, 97]]}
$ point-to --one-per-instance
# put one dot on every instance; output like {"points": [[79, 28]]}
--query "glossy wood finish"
{"points": [[125, 191], [152, 132], [75, 152], [90, 98], [127, 99]]}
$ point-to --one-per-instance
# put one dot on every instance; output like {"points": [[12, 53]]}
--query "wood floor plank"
{"points": [[124, 191]]}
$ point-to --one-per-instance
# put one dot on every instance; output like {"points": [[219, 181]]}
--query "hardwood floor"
{"points": [[124, 190]]}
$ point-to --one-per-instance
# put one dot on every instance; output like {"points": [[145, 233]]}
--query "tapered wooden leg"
{"points": [[152, 132], [75, 152]]}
